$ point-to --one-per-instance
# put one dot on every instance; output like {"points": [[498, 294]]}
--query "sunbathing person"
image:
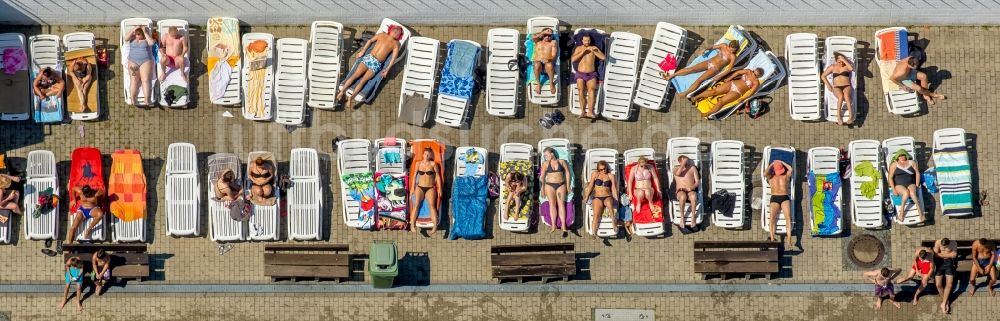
{"points": [[904, 173], [923, 266], [173, 48], [645, 186], [89, 201], [426, 188], [555, 176], [586, 56], [909, 79], [724, 60], [732, 89], [779, 175], [984, 260], [946, 251], [73, 274], [9, 197], [48, 83], [102, 270], [686, 183], [841, 70], [602, 194], [82, 75], [544, 57], [261, 173], [516, 185], [382, 45], [226, 188], [882, 278], [140, 63]]}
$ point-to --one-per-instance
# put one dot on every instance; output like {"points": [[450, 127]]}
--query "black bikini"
{"points": [[602, 183], [425, 188], [842, 74], [558, 169]]}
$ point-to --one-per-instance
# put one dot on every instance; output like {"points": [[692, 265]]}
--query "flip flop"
{"points": [[49, 252], [48, 243]]}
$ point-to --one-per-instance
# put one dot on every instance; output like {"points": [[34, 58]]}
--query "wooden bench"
{"points": [[328, 264], [736, 257], [545, 261], [128, 261], [964, 258]]}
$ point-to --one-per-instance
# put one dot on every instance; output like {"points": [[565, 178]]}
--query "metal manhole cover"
{"points": [[866, 251]]}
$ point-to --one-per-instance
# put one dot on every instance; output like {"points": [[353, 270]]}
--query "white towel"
{"points": [[220, 79]]}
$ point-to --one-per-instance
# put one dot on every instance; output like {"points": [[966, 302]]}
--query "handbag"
{"points": [[669, 63]]}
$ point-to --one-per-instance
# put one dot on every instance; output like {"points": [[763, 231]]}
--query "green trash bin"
{"points": [[382, 263]]}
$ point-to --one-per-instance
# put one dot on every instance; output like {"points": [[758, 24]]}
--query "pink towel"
{"points": [[390, 141], [14, 60]]}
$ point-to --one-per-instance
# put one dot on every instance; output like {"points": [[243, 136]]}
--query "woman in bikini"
{"points": [[724, 60], [426, 188], [102, 270], [140, 63], [226, 188], [733, 87], [841, 70], [82, 75], [903, 174], [646, 185], [602, 192], [555, 175], [882, 278], [984, 259], [517, 185], [261, 174]]}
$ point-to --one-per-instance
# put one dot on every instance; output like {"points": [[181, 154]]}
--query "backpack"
{"points": [[493, 186], [756, 107]]}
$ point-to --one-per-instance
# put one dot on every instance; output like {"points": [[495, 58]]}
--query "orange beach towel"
{"points": [[127, 185]]}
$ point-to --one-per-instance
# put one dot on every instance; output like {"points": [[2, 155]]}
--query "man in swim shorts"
{"points": [[909, 79], [778, 176], [585, 56], [686, 182], [88, 201], [945, 251], [173, 48], [382, 45], [544, 57]]}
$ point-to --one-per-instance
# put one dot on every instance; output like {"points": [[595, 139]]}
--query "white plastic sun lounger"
{"points": [[353, 157], [727, 173], [686, 146], [305, 196], [824, 163], [84, 40], [418, 81], [17, 112], [326, 43], [514, 152], [619, 78], [781, 226], [183, 200], [382, 147], [574, 93], [954, 172], [804, 85], [258, 84], [42, 175], [652, 88], [173, 77], [265, 221], [371, 89], [46, 52], [125, 231], [223, 46], [889, 147], [630, 156], [897, 101], [224, 228], [844, 46], [458, 82], [866, 211], [127, 26], [594, 155], [290, 81], [502, 77], [546, 97]]}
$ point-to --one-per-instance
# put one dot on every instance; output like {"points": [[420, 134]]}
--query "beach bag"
{"points": [[845, 165], [493, 185], [669, 63], [102, 58], [756, 107], [930, 180]]}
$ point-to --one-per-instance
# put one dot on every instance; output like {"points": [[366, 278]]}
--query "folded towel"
{"points": [[14, 60], [867, 169], [954, 180]]}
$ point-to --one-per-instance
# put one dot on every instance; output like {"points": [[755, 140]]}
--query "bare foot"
{"points": [[878, 305], [992, 293], [940, 97], [538, 89], [413, 228], [552, 87], [895, 303], [552, 230], [79, 306], [850, 121], [972, 289], [62, 305], [914, 301], [434, 231], [944, 308], [839, 122]]}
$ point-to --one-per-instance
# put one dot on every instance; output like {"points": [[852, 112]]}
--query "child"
{"points": [[625, 216], [883, 285]]}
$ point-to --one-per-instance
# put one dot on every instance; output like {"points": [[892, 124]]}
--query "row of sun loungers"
{"points": [[373, 179]]}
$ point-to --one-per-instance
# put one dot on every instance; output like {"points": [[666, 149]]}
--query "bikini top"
{"points": [[558, 168], [430, 172], [643, 176], [601, 182], [842, 74]]}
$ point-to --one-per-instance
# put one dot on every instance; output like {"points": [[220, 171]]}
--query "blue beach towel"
{"points": [[826, 213], [457, 78], [50, 109], [468, 207], [529, 53], [954, 180], [683, 83]]}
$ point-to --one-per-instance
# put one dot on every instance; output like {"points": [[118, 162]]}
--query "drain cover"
{"points": [[866, 251]]}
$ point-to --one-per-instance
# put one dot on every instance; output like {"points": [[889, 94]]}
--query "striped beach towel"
{"points": [[954, 180]]}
